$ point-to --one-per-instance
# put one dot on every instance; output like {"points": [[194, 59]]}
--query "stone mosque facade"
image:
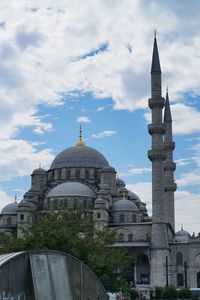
{"points": [[80, 177]]}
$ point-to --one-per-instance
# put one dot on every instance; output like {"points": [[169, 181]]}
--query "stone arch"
{"points": [[143, 269]]}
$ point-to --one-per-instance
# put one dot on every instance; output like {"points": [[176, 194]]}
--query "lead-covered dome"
{"points": [[10, 209], [79, 156], [124, 204], [75, 189]]}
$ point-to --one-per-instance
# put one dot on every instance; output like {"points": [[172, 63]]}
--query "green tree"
{"points": [[73, 231], [184, 294]]}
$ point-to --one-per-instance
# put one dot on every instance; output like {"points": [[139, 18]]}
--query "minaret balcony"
{"points": [[156, 128], [169, 145], [157, 154], [171, 187], [156, 102], [169, 166]]}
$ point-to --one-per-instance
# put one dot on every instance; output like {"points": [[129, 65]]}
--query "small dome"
{"points": [[133, 196], [76, 189], [182, 236], [108, 169], [124, 204], [120, 182], [10, 209], [79, 156], [39, 171]]}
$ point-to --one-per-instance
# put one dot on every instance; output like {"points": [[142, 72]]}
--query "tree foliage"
{"points": [[73, 231]]}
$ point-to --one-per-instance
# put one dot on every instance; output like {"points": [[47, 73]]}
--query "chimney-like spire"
{"points": [[155, 65], [167, 113]]}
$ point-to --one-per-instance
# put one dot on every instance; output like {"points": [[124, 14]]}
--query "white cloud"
{"points": [[181, 162], [103, 134], [83, 119], [4, 199], [143, 190], [38, 44], [187, 207], [19, 158], [190, 178], [138, 171]]}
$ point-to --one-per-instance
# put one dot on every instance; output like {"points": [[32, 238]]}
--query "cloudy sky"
{"points": [[65, 63]]}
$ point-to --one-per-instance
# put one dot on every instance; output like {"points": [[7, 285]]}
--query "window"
{"points": [[121, 237], [179, 279], [21, 217], [75, 203], [84, 203], [9, 221], [130, 237], [121, 218], [179, 259], [78, 174], [98, 216], [87, 174], [133, 218]]}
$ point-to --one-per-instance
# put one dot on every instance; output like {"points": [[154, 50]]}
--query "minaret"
{"points": [[169, 165], [157, 155]]}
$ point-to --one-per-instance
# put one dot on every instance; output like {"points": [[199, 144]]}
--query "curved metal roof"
{"points": [[10, 209], [124, 204], [72, 188], [79, 156], [47, 274]]}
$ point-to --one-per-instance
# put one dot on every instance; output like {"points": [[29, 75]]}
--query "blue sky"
{"points": [[64, 63]]}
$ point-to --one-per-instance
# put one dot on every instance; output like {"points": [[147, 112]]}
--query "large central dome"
{"points": [[79, 156]]}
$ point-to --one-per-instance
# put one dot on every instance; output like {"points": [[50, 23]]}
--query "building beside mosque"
{"points": [[81, 177]]}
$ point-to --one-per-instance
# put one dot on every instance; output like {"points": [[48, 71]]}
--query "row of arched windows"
{"points": [[122, 218], [67, 174], [68, 203], [125, 238]]}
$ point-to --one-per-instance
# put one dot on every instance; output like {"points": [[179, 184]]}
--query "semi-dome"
{"points": [[124, 204], [79, 156], [73, 188], [10, 209], [133, 196]]}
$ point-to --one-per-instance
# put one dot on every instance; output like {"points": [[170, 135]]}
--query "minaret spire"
{"points": [[155, 65], [80, 141], [167, 113]]}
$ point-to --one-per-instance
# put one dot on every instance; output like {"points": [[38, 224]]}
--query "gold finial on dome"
{"points": [[15, 198], [80, 141]]}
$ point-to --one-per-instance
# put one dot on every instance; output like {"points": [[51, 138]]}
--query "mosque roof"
{"points": [[182, 236], [10, 209], [72, 188], [124, 204], [79, 156], [39, 171]]}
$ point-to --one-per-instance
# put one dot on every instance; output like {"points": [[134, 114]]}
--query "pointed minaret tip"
{"points": [[167, 113], [80, 141], [155, 65]]}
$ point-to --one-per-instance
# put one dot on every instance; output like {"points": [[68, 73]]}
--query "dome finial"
{"points": [[124, 196], [15, 198], [80, 141]]}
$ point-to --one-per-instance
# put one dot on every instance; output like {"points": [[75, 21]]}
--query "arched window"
{"points": [[68, 173], [130, 237], [84, 203], [9, 221], [121, 218], [121, 237], [133, 218], [87, 174], [179, 280], [179, 259], [77, 173], [95, 174], [75, 203]]}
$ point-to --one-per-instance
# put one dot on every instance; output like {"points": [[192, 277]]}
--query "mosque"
{"points": [[81, 177]]}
